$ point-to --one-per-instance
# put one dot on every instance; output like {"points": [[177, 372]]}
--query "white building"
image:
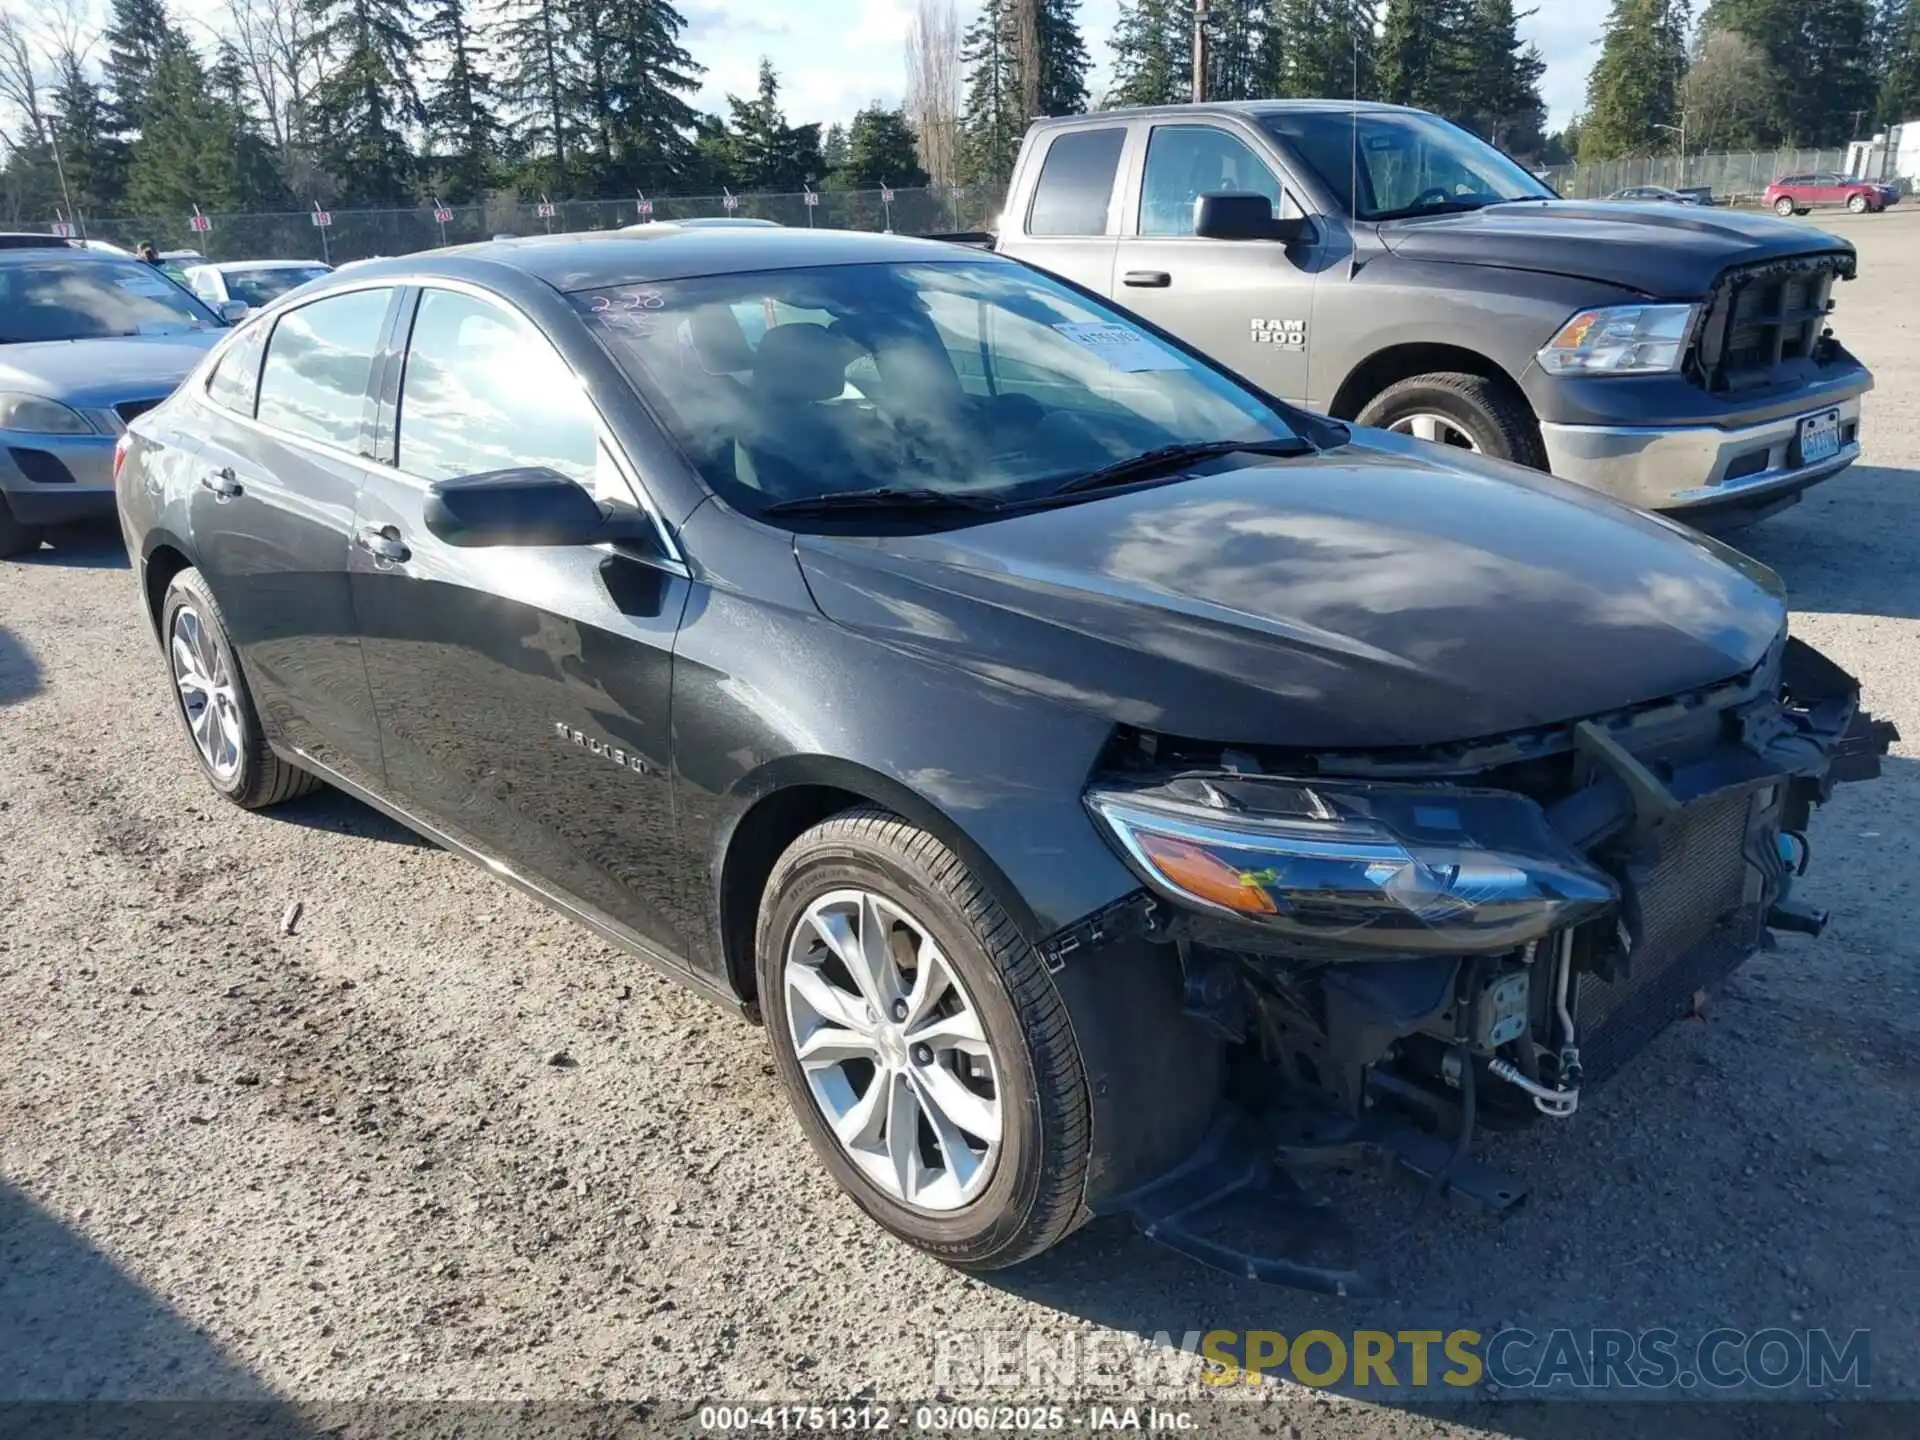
{"points": [[1892, 154]]}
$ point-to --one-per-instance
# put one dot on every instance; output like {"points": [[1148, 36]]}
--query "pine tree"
{"points": [[1822, 53], [539, 60], [138, 33], [765, 152], [1635, 86], [1500, 99], [646, 76], [1423, 54], [1319, 49], [462, 125], [256, 180], [881, 150], [1899, 46], [1063, 58], [94, 163], [195, 147], [991, 124], [834, 152], [365, 101], [1153, 52], [1234, 32]]}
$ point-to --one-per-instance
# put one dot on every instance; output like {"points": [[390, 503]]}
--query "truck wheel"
{"points": [[1783, 207], [214, 704], [1466, 412], [1857, 204], [922, 1044], [15, 538]]}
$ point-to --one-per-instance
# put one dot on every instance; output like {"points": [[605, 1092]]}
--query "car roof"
{"points": [[33, 240], [228, 267], [1250, 108], [600, 258], [69, 254]]}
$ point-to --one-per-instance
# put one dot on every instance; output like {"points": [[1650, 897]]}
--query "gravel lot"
{"points": [[338, 1163]]}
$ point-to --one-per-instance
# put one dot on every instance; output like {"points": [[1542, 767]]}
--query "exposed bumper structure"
{"points": [[1700, 467]]}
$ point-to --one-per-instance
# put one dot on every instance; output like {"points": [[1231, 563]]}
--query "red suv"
{"points": [[1797, 194]]}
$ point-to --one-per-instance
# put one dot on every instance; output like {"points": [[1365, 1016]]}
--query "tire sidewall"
{"points": [[996, 1218], [1784, 208], [188, 589], [1859, 205], [1419, 399]]}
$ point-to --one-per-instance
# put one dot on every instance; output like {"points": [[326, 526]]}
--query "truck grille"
{"points": [[1699, 920], [1762, 317]]}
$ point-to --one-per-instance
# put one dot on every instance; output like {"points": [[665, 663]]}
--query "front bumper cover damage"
{"points": [[1406, 1055]]}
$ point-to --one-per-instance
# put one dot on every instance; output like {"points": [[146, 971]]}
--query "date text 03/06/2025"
{"points": [[942, 1419]]}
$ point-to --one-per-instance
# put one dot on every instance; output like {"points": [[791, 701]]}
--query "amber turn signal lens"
{"points": [[1205, 876]]}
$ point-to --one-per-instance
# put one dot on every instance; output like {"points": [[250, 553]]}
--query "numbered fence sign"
{"points": [[62, 229], [442, 214], [200, 224], [731, 202], [886, 197], [812, 198], [646, 208], [544, 210], [322, 219]]}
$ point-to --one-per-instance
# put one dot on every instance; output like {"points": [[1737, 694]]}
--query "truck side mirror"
{"points": [[1244, 217]]}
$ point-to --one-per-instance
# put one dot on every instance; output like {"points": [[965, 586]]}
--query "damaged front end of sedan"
{"points": [[1398, 948]]}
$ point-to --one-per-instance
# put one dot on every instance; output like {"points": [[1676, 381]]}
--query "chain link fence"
{"points": [[362, 234], [1735, 177]]}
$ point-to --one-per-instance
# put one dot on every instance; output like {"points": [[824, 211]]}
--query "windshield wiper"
{"points": [[886, 497], [1168, 460]]}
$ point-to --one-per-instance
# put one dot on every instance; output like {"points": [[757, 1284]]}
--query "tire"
{"points": [[191, 618], [1497, 421], [1858, 205], [1029, 1191], [1783, 207], [15, 538]]}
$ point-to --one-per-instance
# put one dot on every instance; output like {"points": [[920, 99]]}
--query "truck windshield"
{"points": [[59, 299], [978, 380], [1402, 163]]}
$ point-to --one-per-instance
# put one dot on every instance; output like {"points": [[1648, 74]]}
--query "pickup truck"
{"points": [[1386, 267]]}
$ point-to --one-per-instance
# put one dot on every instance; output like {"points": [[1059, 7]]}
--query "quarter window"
{"points": [[314, 383], [484, 391], [1185, 162], [235, 382], [1076, 183]]}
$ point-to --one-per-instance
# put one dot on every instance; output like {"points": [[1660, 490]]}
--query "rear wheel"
{"points": [[214, 704], [1464, 412], [922, 1044], [1783, 207], [15, 538]]}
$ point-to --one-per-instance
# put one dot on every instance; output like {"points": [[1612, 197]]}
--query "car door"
{"points": [[522, 691], [1829, 189], [1071, 220], [281, 464], [1247, 304]]}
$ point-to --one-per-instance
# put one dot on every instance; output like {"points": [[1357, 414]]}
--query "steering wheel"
{"points": [[1432, 195]]}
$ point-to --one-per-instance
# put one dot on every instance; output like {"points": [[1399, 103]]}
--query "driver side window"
{"points": [[1185, 162]]}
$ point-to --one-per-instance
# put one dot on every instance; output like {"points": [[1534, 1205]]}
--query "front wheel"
{"points": [[1464, 412], [1783, 207], [1857, 204], [921, 1042], [15, 538]]}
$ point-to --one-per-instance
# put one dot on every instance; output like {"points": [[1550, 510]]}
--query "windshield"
{"points": [[976, 378], [56, 299], [1403, 162], [259, 287]]}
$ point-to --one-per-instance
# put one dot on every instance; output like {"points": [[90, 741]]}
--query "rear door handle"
{"points": [[382, 542], [221, 482], [1148, 279]]}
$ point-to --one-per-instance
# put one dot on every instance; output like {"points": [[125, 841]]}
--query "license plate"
{"points": [[1819, 437]]}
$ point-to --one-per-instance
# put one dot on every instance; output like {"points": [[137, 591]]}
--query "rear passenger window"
{"points": [[484, 390], [235, 382], [1076, 183], [314, 383]]}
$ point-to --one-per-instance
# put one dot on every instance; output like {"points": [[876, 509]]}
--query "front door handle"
{"points": [[382, 542], [1148, 279], [221, 482]]}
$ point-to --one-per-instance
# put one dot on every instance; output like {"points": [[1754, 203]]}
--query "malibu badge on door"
{"points": [[1819, 437]]}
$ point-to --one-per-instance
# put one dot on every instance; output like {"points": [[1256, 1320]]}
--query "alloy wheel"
{"points": [[893, 1050], [1437, 429], [204, 679]]}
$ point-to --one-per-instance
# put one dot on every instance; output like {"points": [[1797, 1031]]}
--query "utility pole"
{"points": [[1199, 51]]}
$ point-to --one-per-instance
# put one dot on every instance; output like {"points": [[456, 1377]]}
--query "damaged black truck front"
{"points": [[1400, 947]]}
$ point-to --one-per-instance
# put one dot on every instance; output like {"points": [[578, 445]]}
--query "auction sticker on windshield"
{"points": [[144, 284], [1121, 347]]}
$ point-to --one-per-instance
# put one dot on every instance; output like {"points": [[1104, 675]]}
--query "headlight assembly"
{"points": [[1621, 340], [37, 415], [1371, 868]]}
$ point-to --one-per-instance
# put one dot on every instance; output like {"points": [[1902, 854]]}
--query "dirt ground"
{"points": [[338, 1164]]}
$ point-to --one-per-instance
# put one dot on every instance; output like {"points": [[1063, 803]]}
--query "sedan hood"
{"points": [[1370, 596], [1663, 251], [97, 373]]}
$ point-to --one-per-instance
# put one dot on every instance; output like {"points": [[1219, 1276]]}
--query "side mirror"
{"points": [[234, 311], [530, 506], [1244, 217]]}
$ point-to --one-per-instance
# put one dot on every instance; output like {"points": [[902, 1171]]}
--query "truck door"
{"points": [[1246, 304], [1071, 221]]}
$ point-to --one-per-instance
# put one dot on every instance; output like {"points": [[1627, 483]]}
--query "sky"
{"points": [[835, 56]]}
